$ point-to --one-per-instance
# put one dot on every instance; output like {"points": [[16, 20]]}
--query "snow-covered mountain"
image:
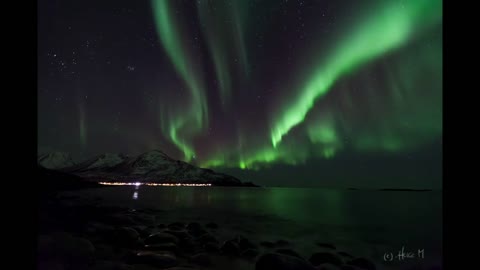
{"points": [[152, 166], [102, 162], [55, 160]]}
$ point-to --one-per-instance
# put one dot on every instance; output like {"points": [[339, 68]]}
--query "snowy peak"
{"points": [[152, 160], [100, 162], [55, 160], [107, 160], [156, 156]]}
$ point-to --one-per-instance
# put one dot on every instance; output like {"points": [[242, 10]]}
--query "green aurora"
{"points": [[374, 86]]}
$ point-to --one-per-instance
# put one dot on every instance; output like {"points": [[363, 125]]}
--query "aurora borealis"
{"points": [[241, 84]]}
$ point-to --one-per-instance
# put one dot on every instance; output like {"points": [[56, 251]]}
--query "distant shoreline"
{"points": [[394, 189]]}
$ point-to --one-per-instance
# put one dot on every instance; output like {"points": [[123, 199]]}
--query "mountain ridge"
{"points": [[153, 166]]}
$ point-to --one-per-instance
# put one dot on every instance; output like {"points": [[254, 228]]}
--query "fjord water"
{"points": [[371, 224]]}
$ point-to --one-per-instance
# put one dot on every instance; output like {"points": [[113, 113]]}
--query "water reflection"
{"points": [[135, 195]]}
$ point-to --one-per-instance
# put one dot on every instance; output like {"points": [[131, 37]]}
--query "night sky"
{"points": [[282, 92]]}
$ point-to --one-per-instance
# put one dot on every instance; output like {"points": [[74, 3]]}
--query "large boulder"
{"points": [[212, 225], [207, 238], [111, 265], [176, 226], [345, 254], [267, 244], [274, 261], [104, 252], [160, 260], [74, 249], [126, 236], [244, 243], [250, 253], [282, 243], [362, 263], [325, 257], [194, 226], [230, 247], [328, 266], [325, 245], [211, 247], [163, 247], [161, 238], [181, 235], [197, 232], [287, 251], [202, 259]]}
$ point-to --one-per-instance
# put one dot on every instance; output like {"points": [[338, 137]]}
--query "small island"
{"points": [[404, 189]]}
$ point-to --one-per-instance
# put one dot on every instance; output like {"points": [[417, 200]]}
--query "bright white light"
{"points": [[135, 195], [137, 184]]}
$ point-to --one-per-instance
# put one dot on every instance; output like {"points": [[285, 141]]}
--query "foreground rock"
{"points": [[162, 260], [127, 236], [362, 263], [267, 244], [250, 253], [212, 225], [328, 266], [271, 261], [161, 238], [111, 265], [289, 252], [202, 259], [325, 257], [230, 247], [62, 248], [163, 247], [325, 245]]}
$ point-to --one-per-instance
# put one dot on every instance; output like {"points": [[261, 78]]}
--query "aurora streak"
{"points": [[244, 84]]}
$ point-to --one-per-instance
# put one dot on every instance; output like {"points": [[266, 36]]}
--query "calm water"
{"points": [[363, 223]]}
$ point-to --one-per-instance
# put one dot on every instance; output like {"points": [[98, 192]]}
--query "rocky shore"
{"points": [[76, 235]]}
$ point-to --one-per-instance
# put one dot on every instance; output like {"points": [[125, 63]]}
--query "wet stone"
{"points": [[250, 253], [202, 259], [325, 245], [325, 257], [194, 226], [211, 247], [159, 238], [211, 225], [362, 263], [267, 244], [230, 247], [345, 254], [287, 251], [271, 261], [161, 260], [163, 247], [207, 238], [282, 243], [176, 226]]}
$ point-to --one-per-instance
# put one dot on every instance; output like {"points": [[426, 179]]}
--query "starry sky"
{"points": [[284, 92]]}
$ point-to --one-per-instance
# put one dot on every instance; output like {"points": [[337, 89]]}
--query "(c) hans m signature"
{"points": [[403, 255]]}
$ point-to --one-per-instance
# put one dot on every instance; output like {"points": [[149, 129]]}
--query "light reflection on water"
{"points": [[382, 220]]}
